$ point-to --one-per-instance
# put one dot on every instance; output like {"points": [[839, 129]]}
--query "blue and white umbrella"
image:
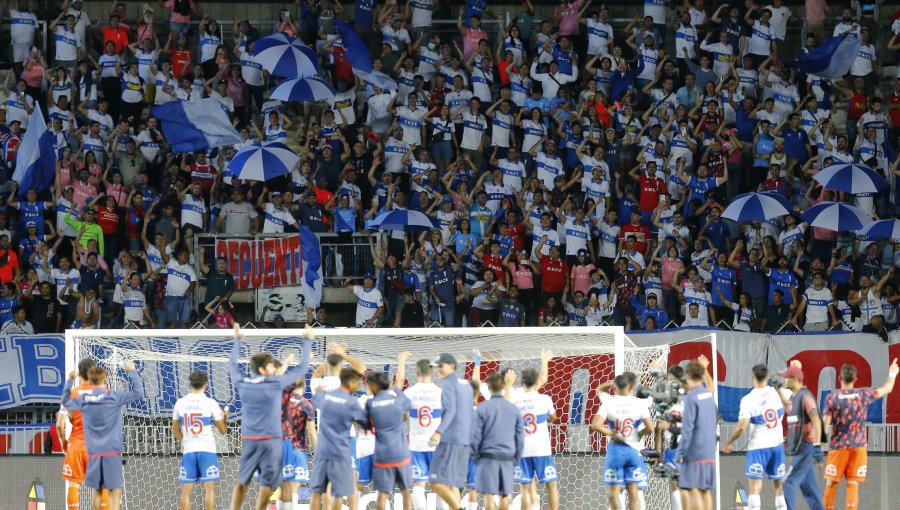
{"points": [[285, 56], [851, 178], [836, 216], [404, 219], [303, 90], [263, 162], [882, 229], [757, 206]]}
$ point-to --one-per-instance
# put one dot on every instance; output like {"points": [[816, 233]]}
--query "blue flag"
{"points": [[195, 125], [36, 157], [358, 56], [832, 59], [312, 269]]}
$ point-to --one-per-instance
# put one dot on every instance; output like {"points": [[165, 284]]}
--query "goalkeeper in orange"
{"points": [[75, 463]]}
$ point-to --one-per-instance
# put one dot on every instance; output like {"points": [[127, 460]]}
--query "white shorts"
{"points": [[21, 52]]}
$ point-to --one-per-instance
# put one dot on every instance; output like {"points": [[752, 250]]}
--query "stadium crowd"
{"points": [[578, 168]]}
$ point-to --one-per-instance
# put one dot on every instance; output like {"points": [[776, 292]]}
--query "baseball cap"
{"points": [[651, 295], [444, 359], [792, 371], [448, 199], [583, 252], [369, 275], [31, 224], [275, 194]]}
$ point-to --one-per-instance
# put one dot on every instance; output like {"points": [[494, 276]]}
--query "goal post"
{"points": [[582, 358]]}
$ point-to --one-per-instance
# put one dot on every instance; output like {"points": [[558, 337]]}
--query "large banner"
{"points": [[32, 369], [257, 263]]}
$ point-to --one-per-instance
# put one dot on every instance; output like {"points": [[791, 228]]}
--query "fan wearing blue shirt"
{"points": [[387, 411], [783, 279], [717, 231], [723, 282], [338, 411]]}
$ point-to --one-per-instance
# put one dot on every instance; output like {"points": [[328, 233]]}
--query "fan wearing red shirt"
{"points": [[182, 57], [492, 259], [640, 232], [201, 172], [554, 274], [116, 34], [651, 187], [893, 101]]}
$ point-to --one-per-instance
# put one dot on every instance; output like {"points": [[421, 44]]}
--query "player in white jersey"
{"points": [[424, 419], [193, 418], [537, 458], [762, 410], [326, 378], [626, 420]]}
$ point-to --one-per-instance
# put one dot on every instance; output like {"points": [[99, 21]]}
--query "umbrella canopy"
{"points": [[263, 162], [757, 206], [405, 219], [882, 229], [303, 89], [850, 178], [285, 56], [836, 216]]}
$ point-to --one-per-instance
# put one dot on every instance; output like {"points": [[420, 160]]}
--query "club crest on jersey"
{"points": [[610, 475], [517, 472], [781, 470], [212, 472], [831, 470], [638, 474], [67, 470], [182, 473], [862, 471], [288, 471], [417, 471], [301, 474]]}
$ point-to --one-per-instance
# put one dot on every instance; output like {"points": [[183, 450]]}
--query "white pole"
{"points": [[619, 358], [715, 375]]}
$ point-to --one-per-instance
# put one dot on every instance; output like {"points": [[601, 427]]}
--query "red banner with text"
{"points": [[257, 263]]}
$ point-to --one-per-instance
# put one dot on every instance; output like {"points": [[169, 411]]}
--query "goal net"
{"points": [[582, 359]]}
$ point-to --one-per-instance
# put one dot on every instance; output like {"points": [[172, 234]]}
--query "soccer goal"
{"points": [[583, 358]]}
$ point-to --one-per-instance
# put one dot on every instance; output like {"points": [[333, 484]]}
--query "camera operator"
{"points": [[803, 442], [668, 427], [697, 448], [668, 431]]}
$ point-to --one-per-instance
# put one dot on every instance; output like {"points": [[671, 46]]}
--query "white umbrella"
{"points": [[285, 56], [263, 161], [836, 216]]}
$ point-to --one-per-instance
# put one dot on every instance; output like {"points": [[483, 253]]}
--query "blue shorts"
{"points": [[294, 463], [178, 309], [495, 476], [395, 477], [263, 456], [442, 150], [542, 468], [364, 469], [104, 472], [338, 472], [765, 462], [470, 475], [697, 475], [421, 465], [623, 465], [449, 464], [199, 467]]}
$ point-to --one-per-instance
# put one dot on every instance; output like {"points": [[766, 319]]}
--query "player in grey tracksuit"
{"points": [[101, 410], [699, 441], [450, 463], [497, 451]]}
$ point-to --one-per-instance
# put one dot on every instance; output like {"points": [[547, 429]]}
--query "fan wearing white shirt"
{"points": [[819, 304], [761, 412], [193, 418], [512, 168], [179, 286]]}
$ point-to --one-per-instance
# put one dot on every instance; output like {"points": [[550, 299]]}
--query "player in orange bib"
{"points": [[845, 419], [75, 463]]}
